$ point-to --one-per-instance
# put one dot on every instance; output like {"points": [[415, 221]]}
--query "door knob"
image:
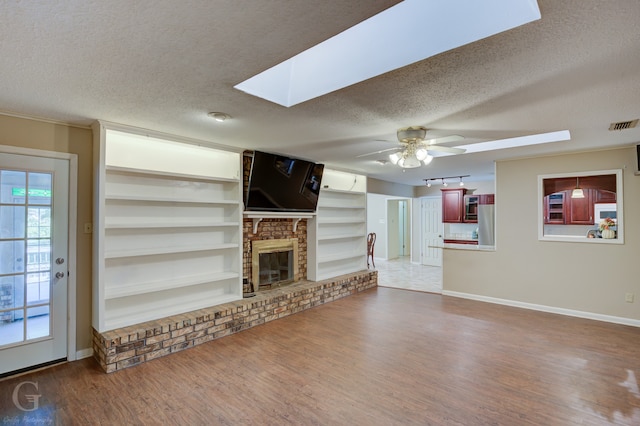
{"points": [[59, 261], [59, 275]]}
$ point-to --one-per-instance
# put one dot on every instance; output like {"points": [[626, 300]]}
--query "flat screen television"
{"points": [[283, 184]]}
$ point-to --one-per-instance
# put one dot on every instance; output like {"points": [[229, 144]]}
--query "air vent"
{"points": [[622, 125]]}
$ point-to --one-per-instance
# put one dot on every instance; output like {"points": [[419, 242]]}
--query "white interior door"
{"points": [[432, 231], [34, 220]]}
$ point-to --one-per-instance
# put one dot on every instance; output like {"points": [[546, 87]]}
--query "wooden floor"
{"points": [[382, 357]]}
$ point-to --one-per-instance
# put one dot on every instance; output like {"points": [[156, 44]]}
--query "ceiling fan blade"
{"points": [[445, 149], [444, 139], [378, 152]]}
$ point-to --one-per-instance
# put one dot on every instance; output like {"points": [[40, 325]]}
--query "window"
{"points": [[581, 207]]}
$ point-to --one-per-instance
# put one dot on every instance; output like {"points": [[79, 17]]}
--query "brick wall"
{"points": [[129, 346], [273, 229]]}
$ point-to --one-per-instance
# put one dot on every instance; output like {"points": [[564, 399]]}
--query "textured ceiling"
{"points": [[163, 65]]}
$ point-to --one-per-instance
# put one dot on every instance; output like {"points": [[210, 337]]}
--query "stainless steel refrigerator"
{"points": [[486, 225]]}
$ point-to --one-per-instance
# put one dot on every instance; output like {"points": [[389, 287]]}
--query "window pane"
{"points": [[39, 188], [13, 186], [38, 255], [39, 222], [38, 322], [38, 288], [11, 221], [11, 292], [11, 257], [11, 327]]}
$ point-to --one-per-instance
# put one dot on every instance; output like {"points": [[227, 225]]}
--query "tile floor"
{"points": [[401, 273]]}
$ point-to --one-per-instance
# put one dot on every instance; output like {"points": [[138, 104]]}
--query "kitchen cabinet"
{"points": [[554, 208], [602, 196], [487, 199], [561, 209], [452, 205], [471, 203], [580, 210]]}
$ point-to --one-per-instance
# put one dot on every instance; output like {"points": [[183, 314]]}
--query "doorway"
{"points": [[34, 260], [398, 228]]}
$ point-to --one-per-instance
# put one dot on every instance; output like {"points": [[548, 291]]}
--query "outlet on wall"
{"points": [[628, 297]]}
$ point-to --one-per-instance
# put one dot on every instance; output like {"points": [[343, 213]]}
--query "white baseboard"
{"points": [[543, 308], [84, 353]]}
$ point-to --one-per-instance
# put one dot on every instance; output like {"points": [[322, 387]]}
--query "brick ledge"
{"points": [[133, 345]]}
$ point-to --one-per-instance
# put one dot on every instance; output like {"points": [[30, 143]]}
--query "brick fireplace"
{"points": [[273, 230]]}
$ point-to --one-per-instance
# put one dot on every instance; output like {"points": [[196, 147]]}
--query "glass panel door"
{"points": [[25, 253]]}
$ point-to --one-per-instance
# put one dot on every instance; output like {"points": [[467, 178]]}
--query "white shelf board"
{"points": [[168, 174], [339, 237], [167, 199], [151, 251], [111, 223], [339, 206], [340, 256], [339, 220], [117, 318], [160, 285]]}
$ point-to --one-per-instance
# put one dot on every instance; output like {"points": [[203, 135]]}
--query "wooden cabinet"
{"points": [[561, 209], [554, 208], [460, 207], [487, 199], [580, 210], [453, 205], [168, 228], [471, 203], [602, 196]]}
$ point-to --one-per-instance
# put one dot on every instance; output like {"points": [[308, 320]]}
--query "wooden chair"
{"points": [[371, 241]]}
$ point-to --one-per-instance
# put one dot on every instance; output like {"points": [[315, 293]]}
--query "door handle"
{"points": [[59, 275], [59, 261]]}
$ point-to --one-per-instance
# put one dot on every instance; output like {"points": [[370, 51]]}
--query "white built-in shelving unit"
{"points": [[167, 227], [337, 235]]}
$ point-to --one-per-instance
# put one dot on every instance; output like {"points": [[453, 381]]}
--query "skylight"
{"points": [[401, 35], [562, 135]]}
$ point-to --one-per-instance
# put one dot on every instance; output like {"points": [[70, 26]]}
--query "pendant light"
{"points": [[577, 192]]}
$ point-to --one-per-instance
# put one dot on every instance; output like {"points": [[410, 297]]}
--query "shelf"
{"points": [[117, 318], [202, 223], [160, 285], [148, 172], [333, 221], [339, 206], [340, 256], [167, 199], [153, 251], [342, 191], [339, 237]]}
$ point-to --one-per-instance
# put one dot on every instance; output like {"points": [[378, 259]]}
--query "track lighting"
{"points": [[443, 181]]}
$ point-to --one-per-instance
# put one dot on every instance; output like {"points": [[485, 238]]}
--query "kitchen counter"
{"points": [[471, 247]]}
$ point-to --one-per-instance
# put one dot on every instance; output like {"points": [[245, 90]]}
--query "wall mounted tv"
{"points": [[283, 184]]}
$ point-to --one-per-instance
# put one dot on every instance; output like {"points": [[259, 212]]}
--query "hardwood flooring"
{"points": [[381, 357]]}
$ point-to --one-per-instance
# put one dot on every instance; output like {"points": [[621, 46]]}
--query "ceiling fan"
{"points": [[415, 149]]}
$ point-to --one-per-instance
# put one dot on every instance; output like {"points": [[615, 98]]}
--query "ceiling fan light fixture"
{"points": [[421, 154], [395, 157], [427, 159]]}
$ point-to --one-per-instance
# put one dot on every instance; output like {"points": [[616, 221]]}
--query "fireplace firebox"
{"points": [[274, 262]]}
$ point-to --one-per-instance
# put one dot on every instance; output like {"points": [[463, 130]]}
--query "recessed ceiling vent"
{"points": [[622, 125]]}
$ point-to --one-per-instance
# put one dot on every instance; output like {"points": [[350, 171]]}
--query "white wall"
{"points": [[378, 222]]}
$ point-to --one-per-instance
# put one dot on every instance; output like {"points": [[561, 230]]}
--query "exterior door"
{"points": [[432, 230], [34, 214]]}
